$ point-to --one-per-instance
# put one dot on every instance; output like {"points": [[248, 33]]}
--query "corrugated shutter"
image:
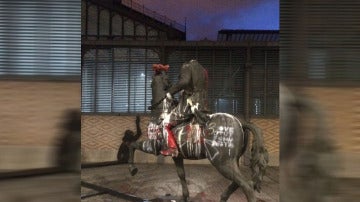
{"points": [[151, 58], [238, 58], [272, 82], [141, 61], [121, 79], [264, 82], [122, 82], [320, 42], [132, 79], [221, 82], [40, 38], [137, 80], [205, 58], [103, 80], [117, 80], [88, 81], [257, 81]]}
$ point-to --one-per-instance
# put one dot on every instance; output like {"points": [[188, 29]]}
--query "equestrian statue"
{"points": [[187, 130]]}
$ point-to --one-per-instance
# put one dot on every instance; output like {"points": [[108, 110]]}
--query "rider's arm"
{"points": [[166, 82]]}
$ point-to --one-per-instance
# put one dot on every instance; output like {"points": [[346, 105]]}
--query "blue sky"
{"points": [[206, 17]]}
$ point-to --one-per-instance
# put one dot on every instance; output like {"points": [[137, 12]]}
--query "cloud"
{"points": [[204, 18]]}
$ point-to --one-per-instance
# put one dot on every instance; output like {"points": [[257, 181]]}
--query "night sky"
{"points": [[206, 17]]}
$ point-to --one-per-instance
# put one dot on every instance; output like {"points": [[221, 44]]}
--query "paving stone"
{"points": [[161, 180]]}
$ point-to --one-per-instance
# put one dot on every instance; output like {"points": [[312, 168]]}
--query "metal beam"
{"points": [[213, 44]]}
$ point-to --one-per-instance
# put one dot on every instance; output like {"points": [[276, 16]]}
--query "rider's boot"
{"points": [[184, 119], [201, 117], [172, 148]]}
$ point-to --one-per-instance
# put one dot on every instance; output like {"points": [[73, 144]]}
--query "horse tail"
{"points": [[259, 155]]}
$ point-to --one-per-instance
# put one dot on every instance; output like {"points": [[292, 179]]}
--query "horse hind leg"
{"points": [[179, 163], [230, 189], [231, 171]]}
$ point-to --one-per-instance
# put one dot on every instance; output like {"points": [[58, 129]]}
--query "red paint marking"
{"points": [[188, 128]]}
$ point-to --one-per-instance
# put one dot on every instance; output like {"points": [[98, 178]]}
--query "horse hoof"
{"points": [[185, 199], [133, 171]]}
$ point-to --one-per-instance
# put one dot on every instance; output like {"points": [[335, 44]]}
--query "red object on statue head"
{"points": [[160, 67]]}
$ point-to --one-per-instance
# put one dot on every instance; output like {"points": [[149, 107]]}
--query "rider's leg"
{"points": [[172, 148], [201, 117]]}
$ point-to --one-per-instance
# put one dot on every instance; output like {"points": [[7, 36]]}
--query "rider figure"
{"points": [[193, 84], [159, 85]]}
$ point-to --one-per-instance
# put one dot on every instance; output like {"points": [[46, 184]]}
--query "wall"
{"points": [[101, 138], [31, 112], [270, 128]]}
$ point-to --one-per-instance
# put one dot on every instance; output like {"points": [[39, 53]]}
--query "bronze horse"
{"points": [[222, 140]]}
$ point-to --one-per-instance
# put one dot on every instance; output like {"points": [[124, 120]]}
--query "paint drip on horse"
{"points": [[188, 134]]}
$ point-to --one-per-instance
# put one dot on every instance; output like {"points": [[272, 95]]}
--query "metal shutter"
{"points": [[151, 58], [238, 58], [88, 81], [264, 82], [272, 82], [320, 42], [40, 38], [257, 81], [103, 80], [117, 80], [205, 58], [121, 80]]}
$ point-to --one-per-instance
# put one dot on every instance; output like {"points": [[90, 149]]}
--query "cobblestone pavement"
{"points": [[161, 181], [152, 181]]}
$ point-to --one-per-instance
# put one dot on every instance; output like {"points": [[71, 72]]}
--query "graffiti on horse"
{"points": [[221, 140]]}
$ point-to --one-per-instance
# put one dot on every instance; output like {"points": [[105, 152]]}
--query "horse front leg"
{"points": [[132, 168], [179, 163], [147, 146]]}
